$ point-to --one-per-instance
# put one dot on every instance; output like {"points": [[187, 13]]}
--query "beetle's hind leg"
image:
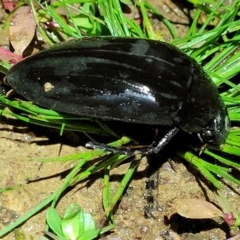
{"points": [[159, 145], [113, 150]]}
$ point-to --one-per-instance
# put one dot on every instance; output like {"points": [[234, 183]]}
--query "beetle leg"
{"points": [[146, 151], [113, 150], [163, 142]]}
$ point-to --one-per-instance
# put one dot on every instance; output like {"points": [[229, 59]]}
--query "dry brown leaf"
{"points": [[22, 29], [196, 209], [4, 38]]}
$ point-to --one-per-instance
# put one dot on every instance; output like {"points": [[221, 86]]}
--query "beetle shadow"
{"points": [[183, 225]]}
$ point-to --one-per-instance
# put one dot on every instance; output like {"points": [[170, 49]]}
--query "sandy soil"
{"points": [[174, 178]]}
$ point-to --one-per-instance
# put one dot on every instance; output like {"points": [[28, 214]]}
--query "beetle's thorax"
{"points": [[217, 129], [204, 112]]}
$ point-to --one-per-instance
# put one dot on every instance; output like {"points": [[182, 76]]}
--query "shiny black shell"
{"points": [[122, 79]]}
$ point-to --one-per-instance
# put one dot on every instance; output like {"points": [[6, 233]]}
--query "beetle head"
{"points": [[217, 129]]}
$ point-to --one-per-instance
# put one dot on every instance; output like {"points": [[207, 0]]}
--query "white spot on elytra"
{"points": [[48, 87]]}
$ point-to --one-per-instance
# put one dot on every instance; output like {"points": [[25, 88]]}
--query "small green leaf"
{"points": [[73, 222], [54, 221], [90, 234], [89, 222]]}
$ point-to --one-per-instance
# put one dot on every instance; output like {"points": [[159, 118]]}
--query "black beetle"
{"points": [[128, 80]]}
